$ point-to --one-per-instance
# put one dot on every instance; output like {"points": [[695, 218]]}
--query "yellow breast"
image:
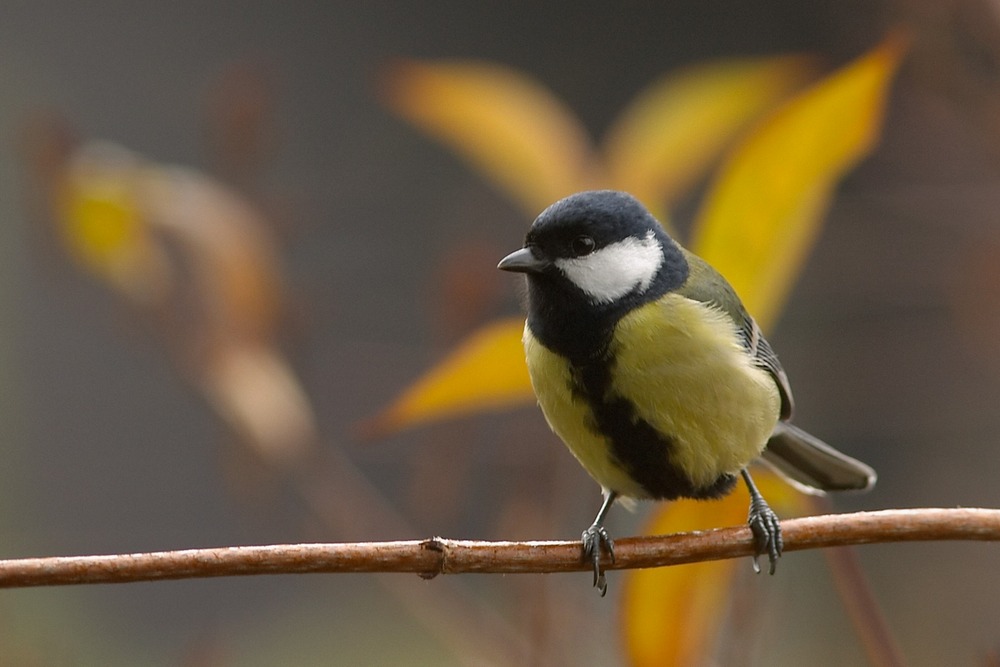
{"points": [[680, 363]]}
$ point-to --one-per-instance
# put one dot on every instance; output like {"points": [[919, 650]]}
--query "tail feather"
{"points": [[812, 465]]}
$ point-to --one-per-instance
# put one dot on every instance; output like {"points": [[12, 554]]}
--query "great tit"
{"points": [[648, 367]]}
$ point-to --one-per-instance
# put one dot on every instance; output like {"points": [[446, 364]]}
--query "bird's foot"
{"points": [[766, 529], [595, 539]]}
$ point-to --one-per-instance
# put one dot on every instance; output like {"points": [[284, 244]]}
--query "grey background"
{"points": [[105, 449]]}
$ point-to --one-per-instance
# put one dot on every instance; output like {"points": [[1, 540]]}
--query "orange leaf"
{"points": [[227, 245], [486, 372], [514, 130], [672, 132], [762, 215], [671, 615]]}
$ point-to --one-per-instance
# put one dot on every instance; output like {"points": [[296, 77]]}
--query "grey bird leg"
{"points": [[764, 525], [594, 539]]}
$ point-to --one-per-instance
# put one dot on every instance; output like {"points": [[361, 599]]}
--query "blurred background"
{"points": [[358, 251]]}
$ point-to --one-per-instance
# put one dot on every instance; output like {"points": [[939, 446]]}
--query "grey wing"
{"points": [[764, 356]]}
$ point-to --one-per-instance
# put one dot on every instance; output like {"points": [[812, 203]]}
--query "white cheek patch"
{"points": [[616, 269]]}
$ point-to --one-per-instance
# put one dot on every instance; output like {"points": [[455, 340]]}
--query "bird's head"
{"points": [[603, 247]]}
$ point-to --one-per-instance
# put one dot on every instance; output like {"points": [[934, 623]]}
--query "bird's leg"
{"points": [[595, 538], [764, 525]]}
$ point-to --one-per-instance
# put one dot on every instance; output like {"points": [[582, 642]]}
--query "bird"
{"points": [[646, 364]]}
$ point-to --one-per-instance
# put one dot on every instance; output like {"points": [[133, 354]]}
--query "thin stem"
{"points": [[859, 601], [877, 639]]}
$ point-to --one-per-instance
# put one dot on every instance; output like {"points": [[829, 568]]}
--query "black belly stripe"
{"points": [[635, 444]]}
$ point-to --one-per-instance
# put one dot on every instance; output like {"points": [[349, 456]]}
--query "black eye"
{"points": [[582, 245]]}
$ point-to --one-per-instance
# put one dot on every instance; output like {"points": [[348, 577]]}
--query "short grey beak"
{"points": [[523, 261]]}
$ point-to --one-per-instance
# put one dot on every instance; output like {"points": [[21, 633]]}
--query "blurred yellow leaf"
{"points": [[671, 615], [519, 135], [763, 213], [102, 221], [510, 127], [119, 211], [486, 372], [669, 135], [183, 247]]}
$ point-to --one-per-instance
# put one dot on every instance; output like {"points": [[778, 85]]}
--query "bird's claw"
{"points": [[766, 529], [595, 539]]}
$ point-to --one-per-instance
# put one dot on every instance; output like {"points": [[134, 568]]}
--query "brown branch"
{"points": [[429, 558]]}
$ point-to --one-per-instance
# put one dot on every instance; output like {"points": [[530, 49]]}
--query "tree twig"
{"points": [[434, 556]]}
